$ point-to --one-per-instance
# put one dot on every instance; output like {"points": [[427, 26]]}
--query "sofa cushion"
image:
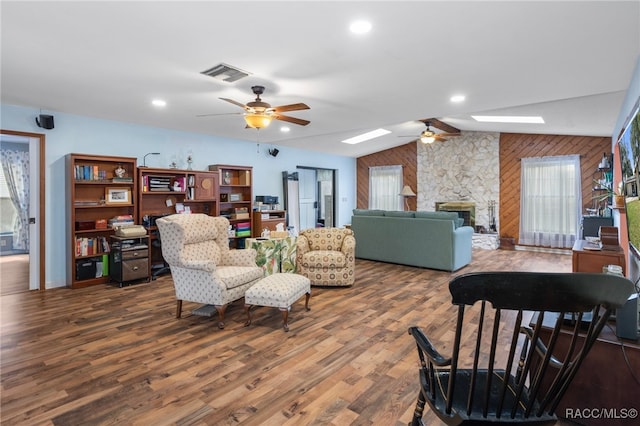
{"points": [[235, 276], [325, 238], [393, 213], [458, 221], [437, 215], [366, 212], [323, 259]]}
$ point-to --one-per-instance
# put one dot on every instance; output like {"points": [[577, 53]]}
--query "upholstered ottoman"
{"points": [[277, 291]]}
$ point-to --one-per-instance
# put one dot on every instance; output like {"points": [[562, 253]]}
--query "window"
{"points": [[385, 184], [8, 211], [550, 201]]}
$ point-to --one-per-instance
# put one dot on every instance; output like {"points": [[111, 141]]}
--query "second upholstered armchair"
{"points": [[203, 269], [327, 256]]}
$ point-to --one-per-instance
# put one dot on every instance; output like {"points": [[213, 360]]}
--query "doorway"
{"points": [[310, 197], [24, 262]]}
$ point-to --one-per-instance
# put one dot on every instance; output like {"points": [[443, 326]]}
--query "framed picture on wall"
{"points": [[117, 196]]}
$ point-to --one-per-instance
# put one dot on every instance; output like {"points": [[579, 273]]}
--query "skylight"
{"points": [[367, 136], [508, 119]]}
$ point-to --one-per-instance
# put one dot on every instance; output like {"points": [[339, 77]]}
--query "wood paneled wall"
{"points": [[404, 155], [514, 146]]}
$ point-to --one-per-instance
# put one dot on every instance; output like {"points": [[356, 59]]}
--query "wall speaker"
{"points": [[274, 152], [45, 121]]}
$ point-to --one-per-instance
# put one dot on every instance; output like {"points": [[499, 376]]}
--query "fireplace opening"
{"points": [[465, 210]]}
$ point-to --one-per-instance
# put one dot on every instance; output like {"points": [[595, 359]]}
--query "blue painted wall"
{"points": [[86, 135]]}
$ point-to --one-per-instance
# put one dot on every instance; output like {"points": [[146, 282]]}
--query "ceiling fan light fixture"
{"points": [[257, 120], [427, 139]]}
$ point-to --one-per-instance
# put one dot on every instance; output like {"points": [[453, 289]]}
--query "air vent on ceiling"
{"points": [[226, 73]]}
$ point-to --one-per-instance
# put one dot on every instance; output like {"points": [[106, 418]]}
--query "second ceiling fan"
{"points": [[429, 136], [258, 114]]}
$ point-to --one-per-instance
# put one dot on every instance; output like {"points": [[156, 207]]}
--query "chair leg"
{"points": [[247, 309], [417, 414], [306, 302], [221, 309], [178, 308], [285, 318]]}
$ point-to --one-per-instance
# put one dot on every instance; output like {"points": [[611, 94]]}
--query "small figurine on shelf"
{"points": [[173, 165], [119, 171], [189, 161]]}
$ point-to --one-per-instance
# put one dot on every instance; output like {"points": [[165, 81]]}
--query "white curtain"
{"points": [[550, 201], [15, 165], [385, 184]]}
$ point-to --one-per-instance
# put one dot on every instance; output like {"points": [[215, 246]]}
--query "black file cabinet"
{"points": [[129, 259]]}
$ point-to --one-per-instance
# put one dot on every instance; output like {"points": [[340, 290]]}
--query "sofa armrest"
{"points": [[302, 245], [242, 257], [349, 245]]}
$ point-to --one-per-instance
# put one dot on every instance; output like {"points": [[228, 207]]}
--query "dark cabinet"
{"points": [[129, 260]]}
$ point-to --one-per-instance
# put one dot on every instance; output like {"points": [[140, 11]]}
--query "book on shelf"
{"points": [[122, 180], [89, 246]]}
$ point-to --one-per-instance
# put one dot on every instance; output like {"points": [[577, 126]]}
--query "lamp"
{"points": [[257, 120], [427, 136], [144, 159], [407, 192]]}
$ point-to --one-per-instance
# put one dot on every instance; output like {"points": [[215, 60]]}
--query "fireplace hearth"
{"points": [[466, 210]]}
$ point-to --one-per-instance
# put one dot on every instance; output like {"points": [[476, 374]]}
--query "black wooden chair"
{"points": [[509, 373]]}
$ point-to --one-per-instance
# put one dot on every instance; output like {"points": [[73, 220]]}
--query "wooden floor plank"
{"points": [[109, 355]]}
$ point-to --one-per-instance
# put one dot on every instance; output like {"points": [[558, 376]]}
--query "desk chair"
{"points": [[509, 374]]}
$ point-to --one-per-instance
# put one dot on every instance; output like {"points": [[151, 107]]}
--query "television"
{"points": [[629, 148]]}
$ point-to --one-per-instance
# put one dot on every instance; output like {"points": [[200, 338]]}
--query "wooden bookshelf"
{"points": [[95, 196], [236, 199], [161, 191]]}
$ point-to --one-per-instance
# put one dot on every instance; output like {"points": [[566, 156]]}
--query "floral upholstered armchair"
{"points": [[327, 256], [204, 270]]}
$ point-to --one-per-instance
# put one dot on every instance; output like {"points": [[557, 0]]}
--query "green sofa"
{"points": [[434, 240]]}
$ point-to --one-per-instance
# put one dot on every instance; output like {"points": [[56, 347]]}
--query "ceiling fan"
{"points": [[258, 114], [429, 136]]}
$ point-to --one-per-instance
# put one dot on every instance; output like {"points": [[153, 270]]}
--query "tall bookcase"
{"points": [[236, 200], [161, 191], [96, 197]]}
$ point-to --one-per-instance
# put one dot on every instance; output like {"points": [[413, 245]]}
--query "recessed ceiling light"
{"points": [[457, 98], [158, 103], [360, 27], [284, 129], [367, 136], [508, 119]]}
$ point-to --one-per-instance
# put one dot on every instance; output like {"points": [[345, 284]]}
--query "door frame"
{"points": [[40, 187], [334, 183]]}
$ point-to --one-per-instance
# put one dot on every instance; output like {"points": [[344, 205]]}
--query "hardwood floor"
{"points": [[14, 274], [109, 355]]}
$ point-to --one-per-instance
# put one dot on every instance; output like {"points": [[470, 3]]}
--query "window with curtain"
{"points": [[385, 184], [550, 201]]}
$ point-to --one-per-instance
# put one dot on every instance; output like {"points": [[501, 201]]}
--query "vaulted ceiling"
{"points": [[567, 61]]}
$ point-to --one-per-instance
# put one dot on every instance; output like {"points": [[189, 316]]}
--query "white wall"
{"points": [[86, 135]]}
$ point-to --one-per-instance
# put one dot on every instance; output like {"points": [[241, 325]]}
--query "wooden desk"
{"points": [[593, 260], [604, 381]]}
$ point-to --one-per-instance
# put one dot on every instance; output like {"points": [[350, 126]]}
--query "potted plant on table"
{"points": [[618, 195]]}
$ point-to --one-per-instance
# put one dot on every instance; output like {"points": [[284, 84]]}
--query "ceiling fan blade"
{"points": [[235, 103], [293, 120], [434, 122], [291, 107]]}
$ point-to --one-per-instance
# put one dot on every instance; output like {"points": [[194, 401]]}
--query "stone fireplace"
{"points": [[466, 210]]}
